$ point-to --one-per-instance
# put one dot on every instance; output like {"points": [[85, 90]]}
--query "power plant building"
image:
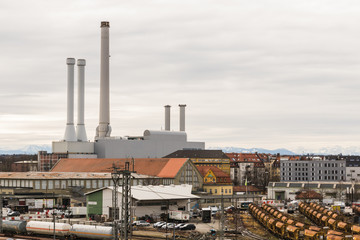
{"points": [[153, 143]]}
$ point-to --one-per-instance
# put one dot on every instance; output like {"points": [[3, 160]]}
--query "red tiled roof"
{"points": [[244, 157], [161, 167], [242, 188], [221, 177]]}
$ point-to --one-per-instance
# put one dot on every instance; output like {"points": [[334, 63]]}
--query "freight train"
{"points": [[286, 227], [62, 230], [338, 228]]}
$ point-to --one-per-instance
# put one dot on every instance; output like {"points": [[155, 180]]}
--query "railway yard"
{"points": [[311, 221]]}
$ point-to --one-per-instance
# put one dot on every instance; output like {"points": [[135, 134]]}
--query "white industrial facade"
{"points": [[148, 200]]}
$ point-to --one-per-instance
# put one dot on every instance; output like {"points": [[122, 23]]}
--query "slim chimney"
{"points": [[182, 117], [70, 129], [104, 129], [80, 128], [167, 117]]}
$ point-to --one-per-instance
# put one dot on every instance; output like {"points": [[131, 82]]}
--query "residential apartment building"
{"points": [[312, 170], [249, 167]]}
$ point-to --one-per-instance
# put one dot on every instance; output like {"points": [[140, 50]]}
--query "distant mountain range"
{"points": [[33, 149], [29, 149], [282, 151]]}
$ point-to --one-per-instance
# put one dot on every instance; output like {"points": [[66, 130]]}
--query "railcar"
{"points": [[91, 231], [311, 235], [333, 232], [47, 228], [271, 224], [331, 223], [300, 225], [17, 227], [280, 229], [314, 228], [292, 232], [343, 226], [355, 229]]}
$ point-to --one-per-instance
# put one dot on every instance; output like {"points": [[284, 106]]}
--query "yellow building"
{"points": [[216, 182], [215, 158]]}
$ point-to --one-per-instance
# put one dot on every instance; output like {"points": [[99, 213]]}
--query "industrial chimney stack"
{"points": [[104, 129], [182, 117], [80, 128], [70, 129], [167, 117]]}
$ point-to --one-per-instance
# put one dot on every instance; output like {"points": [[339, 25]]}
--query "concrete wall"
{"points": [[72, 147], [154, 146]]}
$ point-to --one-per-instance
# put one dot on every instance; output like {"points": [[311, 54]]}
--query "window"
{"points": [[50, 184], [37, 184], [225, 190], [57, 184], [63, 184], [88, 183], [43, 184], [101, 183], [215, 192]]}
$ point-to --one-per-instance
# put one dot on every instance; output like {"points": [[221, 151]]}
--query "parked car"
{"points": [[13, 213], [142, 223], [178, 226], [158, 224], [188, 226], [168, 225]]}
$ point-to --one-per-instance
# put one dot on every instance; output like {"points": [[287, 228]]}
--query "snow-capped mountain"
{"points": [[29, 149], [282, 151]]}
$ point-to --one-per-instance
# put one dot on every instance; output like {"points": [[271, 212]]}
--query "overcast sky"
{"points": [[260, 73]]}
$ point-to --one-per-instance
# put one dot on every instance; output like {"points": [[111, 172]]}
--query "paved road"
{"points": [[206, 227]]}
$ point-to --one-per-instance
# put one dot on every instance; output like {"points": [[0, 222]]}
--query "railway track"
{"points": [[246, 233]]}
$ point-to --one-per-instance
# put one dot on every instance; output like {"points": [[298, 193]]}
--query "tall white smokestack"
{"points": [[182, 117], [80, 128], [104, 129], [167, 117], [70, 129]]}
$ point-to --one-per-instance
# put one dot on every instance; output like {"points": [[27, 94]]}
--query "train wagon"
{"points": [[290, 222], [292, 232], [324, 220], [355, 229], [280, 229], [18, 227], [272, 211], [314, 228], [271, 224], [343, 226], [91, 231], [334, 237], [333, 232], [329, 213], [300, 225], [311, 235], [47, 228], [265, 220], [335, 216], [331, 223], [284, 219], [356, 237]]}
